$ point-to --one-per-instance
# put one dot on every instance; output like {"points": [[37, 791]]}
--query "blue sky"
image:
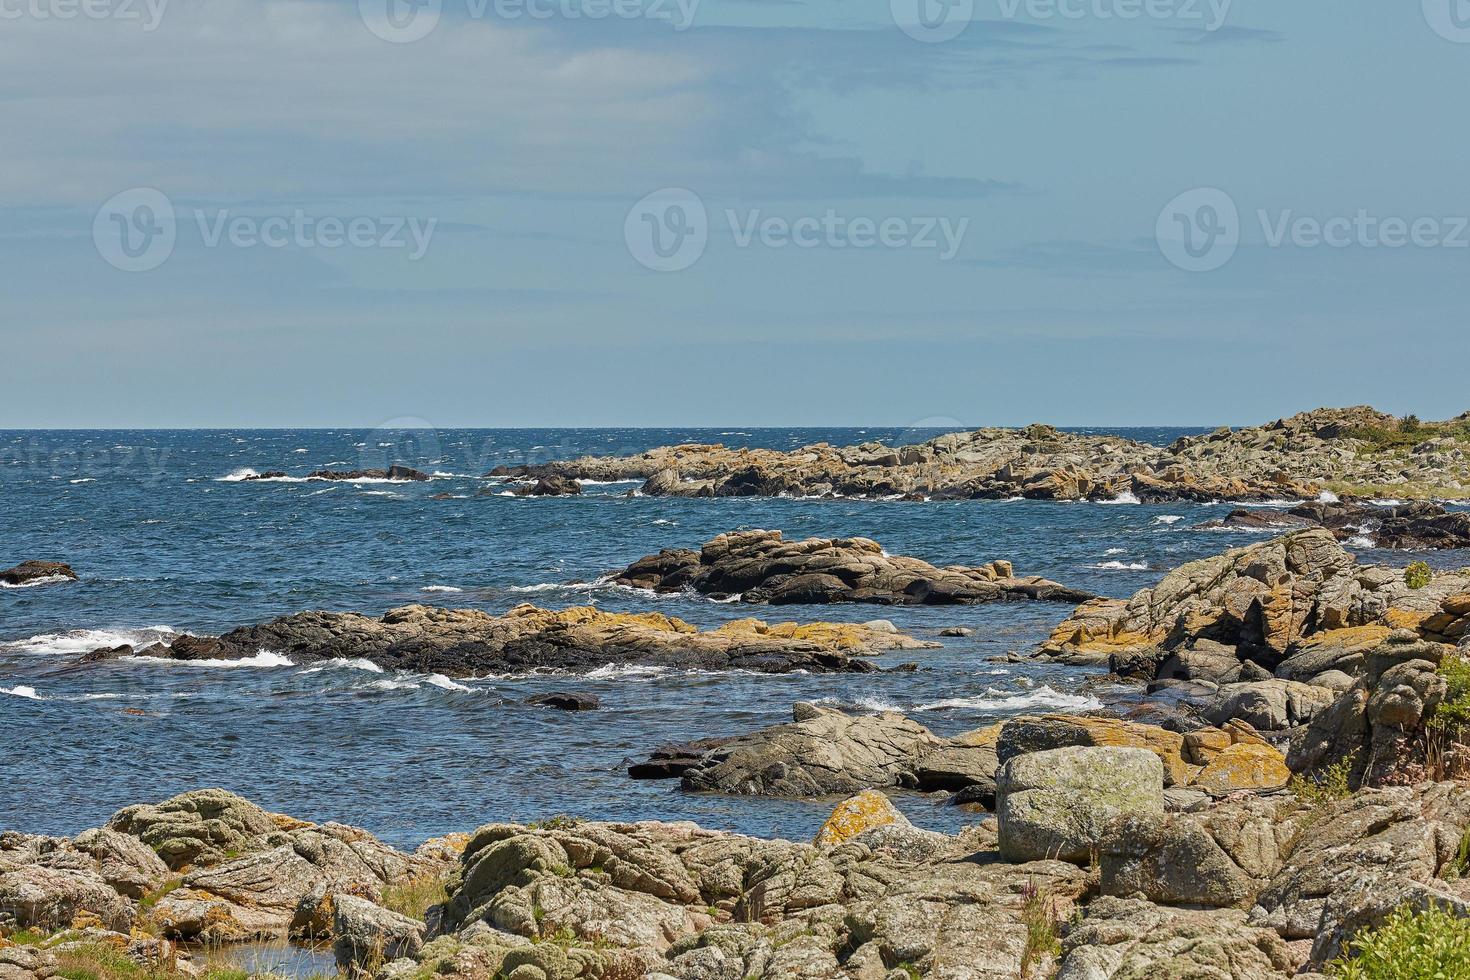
{"points": [[1055, 140]]}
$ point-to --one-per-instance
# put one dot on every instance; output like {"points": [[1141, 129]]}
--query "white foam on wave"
{"points": [[1116, 551], [665, 520], [1266, 503], [43, 580], [85, 479], [348, 663], [1169, 519], [264, 658], [1119, 566], [444, 683], [378, 493], [626, 672], [606, 483], [995, 700], [414, 682], [1386, 502], [441, 588], [84, 641], [1328, 497], [863, 704], [1360, 541], [1126, 497], [22, 691]]}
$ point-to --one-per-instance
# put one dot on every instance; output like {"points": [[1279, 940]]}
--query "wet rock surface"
{"points": [[469, 642], [1419, 524], [763, 567], [38, 573]]}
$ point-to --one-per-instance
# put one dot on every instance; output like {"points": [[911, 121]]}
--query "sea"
{"points": [[169, 537]]}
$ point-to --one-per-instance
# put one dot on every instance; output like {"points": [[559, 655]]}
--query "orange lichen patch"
{"points": [[1245, 765], [1404, 618], [832, 636], [284, 822], [980, 737], [588, 615], [1201, 746], [1243, 732], [865, 811], [1352, 637], [1167, 745], [1457, 605]]}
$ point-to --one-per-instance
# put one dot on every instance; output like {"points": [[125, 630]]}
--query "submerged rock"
{"points": [[37, 573], [470, 642], [762, 567]]}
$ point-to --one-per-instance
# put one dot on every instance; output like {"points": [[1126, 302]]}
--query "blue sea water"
{"points": [[167, 538]]}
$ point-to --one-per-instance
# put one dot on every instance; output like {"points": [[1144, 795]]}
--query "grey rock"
{"points": [[1059, 803]]}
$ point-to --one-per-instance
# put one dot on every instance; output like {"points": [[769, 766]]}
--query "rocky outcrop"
{"points": [[1290, 458], [1416, 525], [823, 751], [203, 866], [565, 701], [406, 474], [550, 486], [1253, 887], [37, 573], [762, 567], [470, 642]]}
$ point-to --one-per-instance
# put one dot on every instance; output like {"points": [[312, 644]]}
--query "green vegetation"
{"points": [[415, 896], [1460, 863], [1407, 434], [558, 822], [102, 962], [1039, 914], [1325, 786], [152, 898], [1410, 945], [1454, 711], [1418, 575]]}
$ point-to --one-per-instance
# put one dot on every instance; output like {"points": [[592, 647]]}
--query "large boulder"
{"points": [[37, 573], [1035, 734], [365, 935], [1058, 803], [823, 751], [48, 898], [201, 827]]}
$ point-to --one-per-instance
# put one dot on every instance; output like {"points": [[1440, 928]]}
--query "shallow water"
{"points": [[167, 538]]}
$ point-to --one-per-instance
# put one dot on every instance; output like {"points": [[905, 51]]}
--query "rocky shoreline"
{"points": [[470, 642], [1349, 450], [762, 567], [1420, 525]]}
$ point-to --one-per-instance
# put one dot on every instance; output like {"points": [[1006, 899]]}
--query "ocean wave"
{"points": [[336, 663], [1328, 497], [264, 658], [43, 580], [1126, 497], [85, 479], [441, 588], [1168, 519], [626, 672], [22, 691], [994, 700], [1386, 502], [1118, 566], [860, 704], [1360, 541], [414, 682], [85, 641]]}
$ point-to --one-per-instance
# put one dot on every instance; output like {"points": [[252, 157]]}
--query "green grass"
{"points": [[1039, 915], [101, 962], [1410, 945], [1407, 434], [415, 896]]}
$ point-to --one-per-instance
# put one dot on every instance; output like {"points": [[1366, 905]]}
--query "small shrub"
{"points": [[415, 896], [1418, 575], [1410, 945], [1326, 786], [1454, 711]]}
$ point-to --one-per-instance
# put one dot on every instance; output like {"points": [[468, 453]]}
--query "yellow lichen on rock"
{"points": [[856, 814], [1244, 765], [1407, 619]]}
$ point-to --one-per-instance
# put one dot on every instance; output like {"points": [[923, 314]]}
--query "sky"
{"points": [[730, 212]]}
